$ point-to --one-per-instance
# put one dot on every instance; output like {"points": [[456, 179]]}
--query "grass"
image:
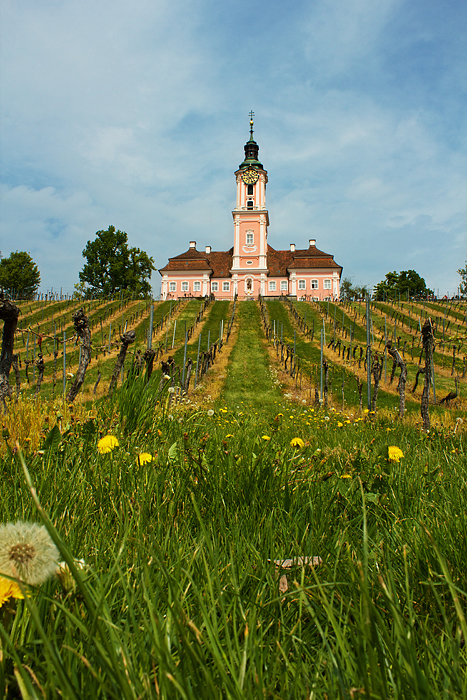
{"points": [[249, 375], [179, 595]]}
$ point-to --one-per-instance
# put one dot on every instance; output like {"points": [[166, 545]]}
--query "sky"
{"points": [[135, 114]]}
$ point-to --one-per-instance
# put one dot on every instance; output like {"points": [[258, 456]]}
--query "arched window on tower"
{"points": [[250, 189]]}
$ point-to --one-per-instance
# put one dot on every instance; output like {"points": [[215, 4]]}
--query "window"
{"points": [[314, 284], [249, 204], [172, 286], [302, 284], [327, 284], [226, 286], [250, 189], [214, 286], [196, 286], [272, 286], [284, 285], [184, 286], [249, 262], [249, 238]]}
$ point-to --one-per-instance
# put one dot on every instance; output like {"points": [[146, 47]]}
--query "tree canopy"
{"points": [[407, 283], [463, 285], [112, 266], [348, 291], [19, 275]]}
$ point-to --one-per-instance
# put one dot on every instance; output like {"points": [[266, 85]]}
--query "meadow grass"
{"points": [[178, 594]]}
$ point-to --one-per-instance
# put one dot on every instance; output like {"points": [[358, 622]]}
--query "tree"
{"points": [[19, 275], [405, 284], [349, 291], [112, 267], [463, 285]]}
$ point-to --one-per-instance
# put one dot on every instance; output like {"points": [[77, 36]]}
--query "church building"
{"points": [[251, 267]]}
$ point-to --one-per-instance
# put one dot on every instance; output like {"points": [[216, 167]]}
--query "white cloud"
{"points": [[136, 115]]}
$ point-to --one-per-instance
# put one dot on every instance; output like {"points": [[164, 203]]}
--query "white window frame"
{"points": [[314, 284], [284, 285], [250, 238], [272, 285], [172, 286], [226, 286], [327, 284], [302, 284], [185, 287], [214, 286], [196, 286]]}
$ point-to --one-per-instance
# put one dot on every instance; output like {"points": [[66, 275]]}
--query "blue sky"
{"points": [[135, 114]]}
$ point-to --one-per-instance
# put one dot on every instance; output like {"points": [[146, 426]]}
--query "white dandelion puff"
{"points": [[27, 552]]}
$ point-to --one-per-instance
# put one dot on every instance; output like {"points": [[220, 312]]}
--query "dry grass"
{"points": [[213, 382], [29, 419]]}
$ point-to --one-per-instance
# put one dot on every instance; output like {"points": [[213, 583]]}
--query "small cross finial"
{"points": [[252, 114]]}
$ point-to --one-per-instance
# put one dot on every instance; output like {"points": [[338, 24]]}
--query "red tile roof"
{"points": [[219, 263]]}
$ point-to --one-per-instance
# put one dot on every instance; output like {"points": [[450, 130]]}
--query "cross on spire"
{"points": [[252, 114]]}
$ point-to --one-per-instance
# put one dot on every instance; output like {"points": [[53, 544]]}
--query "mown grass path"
{"points": [[248, 374]]}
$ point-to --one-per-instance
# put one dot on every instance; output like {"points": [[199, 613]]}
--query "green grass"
{"points": [[249, 376], [179, 597]]}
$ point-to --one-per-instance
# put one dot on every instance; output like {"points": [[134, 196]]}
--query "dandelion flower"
{"points": [[265, 437], [297, 442], [27, 552], [65, 576], [107, 444], [144, 458], [171, 390], [394, 454], [210, 413], [9, 589], [229, 435], [167, 377]]}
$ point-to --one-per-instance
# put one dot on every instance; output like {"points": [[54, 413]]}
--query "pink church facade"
{"points": [[251, 267]]}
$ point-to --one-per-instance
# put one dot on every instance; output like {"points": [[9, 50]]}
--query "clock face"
{"points": [[249, 177]]}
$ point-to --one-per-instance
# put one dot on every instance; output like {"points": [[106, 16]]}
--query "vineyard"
{"points": [[242, 500], [304, 336]]}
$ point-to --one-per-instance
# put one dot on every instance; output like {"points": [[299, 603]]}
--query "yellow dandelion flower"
{"points": [[346, 476], [229, 435], [297, 442], [394, 454], [265, 437], [107, 444], [9, 589], [339, 425], [144, 458]]}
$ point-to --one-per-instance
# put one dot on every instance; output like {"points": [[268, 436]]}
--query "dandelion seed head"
{"points": [[27, 552]]}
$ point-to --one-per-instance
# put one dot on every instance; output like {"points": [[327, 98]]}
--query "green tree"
{"points": [[346, 289], [112, 267], [349, 292], [463, 285], [19, 275], [405, 284]]}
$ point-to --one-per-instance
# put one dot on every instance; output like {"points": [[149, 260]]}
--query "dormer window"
{"points": [[250, 189]]}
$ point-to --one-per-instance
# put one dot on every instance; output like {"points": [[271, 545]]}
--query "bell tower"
{"points": [[251, 221]]}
